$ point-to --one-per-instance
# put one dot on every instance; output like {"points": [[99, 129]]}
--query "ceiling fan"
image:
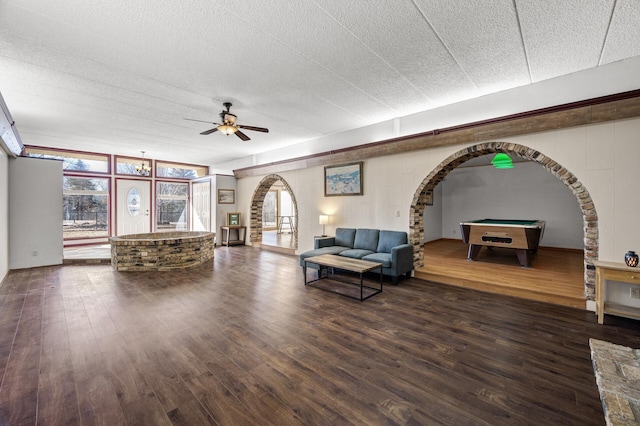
{"points": [[228, 125]]}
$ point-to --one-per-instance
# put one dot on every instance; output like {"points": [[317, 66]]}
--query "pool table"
{"points": [[521, 235]]}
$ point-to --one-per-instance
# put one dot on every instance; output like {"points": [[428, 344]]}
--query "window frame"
{"points": [[111, 162], [107, 158], [108, 204], [161, 164], [135, 161], [156, 197]]}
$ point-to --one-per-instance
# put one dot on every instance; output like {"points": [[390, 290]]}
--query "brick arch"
{"points": [[424, 193], [256, 207]]}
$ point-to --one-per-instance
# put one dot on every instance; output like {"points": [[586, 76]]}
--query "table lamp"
{"points": [[324, 219]]}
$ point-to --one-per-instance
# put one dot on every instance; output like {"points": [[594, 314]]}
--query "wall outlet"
{"points": [[397, 213], [635, 292], [34, 253]]}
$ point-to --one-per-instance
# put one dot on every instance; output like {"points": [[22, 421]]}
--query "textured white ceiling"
{"points": [[120, 76]]}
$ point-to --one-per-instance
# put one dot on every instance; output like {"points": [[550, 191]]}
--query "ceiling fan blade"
{"points": [[242, 135], [208, 132], [255, 129], [200, 121]]}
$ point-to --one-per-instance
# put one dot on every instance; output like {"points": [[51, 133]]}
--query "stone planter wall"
{"points": [[617, 370], [161, 251]]}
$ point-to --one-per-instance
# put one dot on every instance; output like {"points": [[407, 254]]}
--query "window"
{"points": [[270, 210], [87, 198], [85, 207], [286, 204], [180, 171], [127, 165], [171, 206], [73, 161]]}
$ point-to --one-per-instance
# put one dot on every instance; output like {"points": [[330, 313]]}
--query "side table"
{"points": [[615, 272], [233, 235]]}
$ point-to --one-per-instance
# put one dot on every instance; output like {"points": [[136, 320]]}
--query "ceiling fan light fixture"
{"points": [[227, 129], [227, 125], [229, 118]]}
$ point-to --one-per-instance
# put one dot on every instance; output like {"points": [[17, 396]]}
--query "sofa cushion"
{"points": [[355, 253], [389, 240], [384, 258], [366, 239], [323, 250], [345, 237]]}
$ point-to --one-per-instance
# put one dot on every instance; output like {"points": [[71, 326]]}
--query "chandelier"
{"points": [[143, 169]]}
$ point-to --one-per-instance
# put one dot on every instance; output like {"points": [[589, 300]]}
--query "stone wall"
{"points": [[617, 370], [161, 251], [257, 200]]}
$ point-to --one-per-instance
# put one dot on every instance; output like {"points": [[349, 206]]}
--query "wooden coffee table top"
{"points": [[346, 263]]}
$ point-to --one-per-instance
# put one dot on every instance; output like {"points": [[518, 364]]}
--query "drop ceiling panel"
{"points": [[401, 36], [317, 38], [484, 41], [562, 37], [624, 32]]}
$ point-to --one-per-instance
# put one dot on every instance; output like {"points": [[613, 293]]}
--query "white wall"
{"points": [[226, 182], [389, 186], [527, 191], [35, 213], [4, 215]]}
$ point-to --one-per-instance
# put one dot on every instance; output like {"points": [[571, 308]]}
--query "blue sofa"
{"points": [[387, 247]]}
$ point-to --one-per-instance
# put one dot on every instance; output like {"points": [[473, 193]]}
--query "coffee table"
{"points": [[331, 262]]}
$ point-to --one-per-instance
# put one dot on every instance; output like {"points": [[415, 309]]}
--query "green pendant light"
{"points": [[502, 161]]}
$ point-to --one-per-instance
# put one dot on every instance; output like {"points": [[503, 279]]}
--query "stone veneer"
{"points": [[256, 208], [424, 193], [161, 251], [617, 370]]}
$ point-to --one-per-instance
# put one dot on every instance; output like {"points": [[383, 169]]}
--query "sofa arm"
{"points": [[324, 242], [402, 258]]}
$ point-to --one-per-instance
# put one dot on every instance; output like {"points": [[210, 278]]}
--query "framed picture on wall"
{"points": [[233, 219], [226, 196], [344, 179]]}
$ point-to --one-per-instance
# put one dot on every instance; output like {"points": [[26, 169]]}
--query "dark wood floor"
{"points": [[242, 341]]}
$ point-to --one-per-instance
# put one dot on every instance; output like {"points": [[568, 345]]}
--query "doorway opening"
{"points": [[423, 196], [274, 215]]}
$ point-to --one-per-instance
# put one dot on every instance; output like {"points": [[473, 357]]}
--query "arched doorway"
{"points": [[424, 193], [257, 202]]}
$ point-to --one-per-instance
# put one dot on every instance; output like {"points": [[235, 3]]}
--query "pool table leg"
{"points": [[523, 257], [474, 249]]}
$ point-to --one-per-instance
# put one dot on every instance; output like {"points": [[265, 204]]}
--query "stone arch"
{"points": [[424, 193], [256, 207]]}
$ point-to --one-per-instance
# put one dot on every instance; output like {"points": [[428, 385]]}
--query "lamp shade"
{"points": [[324, 219], [227, 129], [502, 161]]}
